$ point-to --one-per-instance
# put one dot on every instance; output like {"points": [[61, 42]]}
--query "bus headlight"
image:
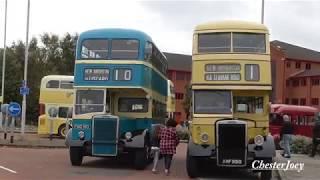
{"points": [[81, 135], [128, 135], [259, 140], [204, 137]]}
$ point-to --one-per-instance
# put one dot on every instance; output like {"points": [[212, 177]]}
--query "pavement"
{"points": [[31, 140], [311, 170]]}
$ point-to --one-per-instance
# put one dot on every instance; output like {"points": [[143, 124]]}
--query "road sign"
{"points": [[14, 109], [24, 90]]}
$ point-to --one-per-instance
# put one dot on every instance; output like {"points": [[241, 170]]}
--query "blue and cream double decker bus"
{"points": [[120, 93]]}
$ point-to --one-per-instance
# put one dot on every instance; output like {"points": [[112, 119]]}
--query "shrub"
{"points": [[182, 132], [301, 144]]}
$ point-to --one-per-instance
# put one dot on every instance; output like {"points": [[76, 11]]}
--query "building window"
{"points": [[303, 101], [314, 101], [287, 101], [295, 101], [179, 95], [303, 82], [308, 66], [180, 75], [288, 83], [295, 83], [288, 64], [315, 82], [298, 65]]}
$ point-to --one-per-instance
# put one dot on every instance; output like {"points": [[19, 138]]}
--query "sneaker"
{"points": [[166, 171], [287, 156], [154, 171]]}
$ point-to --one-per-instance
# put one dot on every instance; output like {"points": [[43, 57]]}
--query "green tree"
{"points": [[187, 100]]}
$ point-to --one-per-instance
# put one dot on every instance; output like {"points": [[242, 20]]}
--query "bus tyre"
{"points": [[192, 169], [141, 158], [62, 130], [266, 174], [76, 156]]}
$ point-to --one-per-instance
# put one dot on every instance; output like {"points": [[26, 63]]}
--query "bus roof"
{"points": [[114, 33], [45, 79], [231, 25]]}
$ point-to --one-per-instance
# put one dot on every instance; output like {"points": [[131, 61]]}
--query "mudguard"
{"points": [[72, 143], [200, 150], [268, 149]]}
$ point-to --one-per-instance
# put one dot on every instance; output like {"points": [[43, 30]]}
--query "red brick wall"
{"points": [[284, 69], [180, 79]]}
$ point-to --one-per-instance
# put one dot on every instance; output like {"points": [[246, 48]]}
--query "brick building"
{"points": [[179, 72], [296, 74]]}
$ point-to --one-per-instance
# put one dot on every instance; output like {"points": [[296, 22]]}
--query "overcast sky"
{"points": [[169, 23]]}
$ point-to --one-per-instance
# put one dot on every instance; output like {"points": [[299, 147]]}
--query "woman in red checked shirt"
{"points": [[168, 143]]}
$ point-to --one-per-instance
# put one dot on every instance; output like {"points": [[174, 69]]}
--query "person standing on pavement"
{"points": [[168, 143], [155, 147], [315, 138], [286, 136]]}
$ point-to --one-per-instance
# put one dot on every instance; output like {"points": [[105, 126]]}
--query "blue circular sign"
{"points": [[14, 109]]}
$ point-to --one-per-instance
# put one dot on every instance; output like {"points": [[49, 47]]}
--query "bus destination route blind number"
{"points": [[100, 74]]}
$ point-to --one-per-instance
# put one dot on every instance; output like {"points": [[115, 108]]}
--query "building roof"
{"points": [[308, 73], [296, 52], [231, 24], [179, 62]]}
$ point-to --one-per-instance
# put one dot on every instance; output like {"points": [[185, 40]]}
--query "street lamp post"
{"points": [[23, 121], [4, 52], [262, 12]]}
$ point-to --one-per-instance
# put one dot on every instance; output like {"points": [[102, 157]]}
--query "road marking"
{"points": [[7, 169]]}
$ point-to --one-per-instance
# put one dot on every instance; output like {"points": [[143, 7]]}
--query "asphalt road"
{"points": [[21, 163]]}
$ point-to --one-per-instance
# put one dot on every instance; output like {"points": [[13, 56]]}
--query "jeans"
{"points": [[167, 160], [156, 151], [286, 143], [315, 144]]}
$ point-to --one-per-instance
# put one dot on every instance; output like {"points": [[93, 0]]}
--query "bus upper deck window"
{"points": [[148, 51], [124, 49], [94, 49], [214, 42], [249, 42]]}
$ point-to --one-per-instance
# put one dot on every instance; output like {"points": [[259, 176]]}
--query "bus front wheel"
{"points": [[76, 156], [192, 168], [266, 174], [141, 158]]}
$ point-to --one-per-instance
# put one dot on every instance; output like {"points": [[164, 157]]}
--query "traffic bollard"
{"points": [[12, 126]]}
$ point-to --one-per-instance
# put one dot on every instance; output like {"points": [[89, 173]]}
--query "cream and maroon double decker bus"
{"points": [[231, 85]]}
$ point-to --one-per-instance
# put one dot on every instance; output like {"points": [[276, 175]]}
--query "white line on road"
{"points": [[7, 169]]}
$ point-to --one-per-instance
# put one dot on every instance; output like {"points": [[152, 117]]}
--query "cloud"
{"points": [[169, 23]]}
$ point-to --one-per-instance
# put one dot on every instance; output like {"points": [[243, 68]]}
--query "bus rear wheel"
{"points": [[62, 130], [192, 168], [76, 155]]}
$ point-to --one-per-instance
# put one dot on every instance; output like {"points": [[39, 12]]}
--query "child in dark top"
{"points": [[168, 143]]}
